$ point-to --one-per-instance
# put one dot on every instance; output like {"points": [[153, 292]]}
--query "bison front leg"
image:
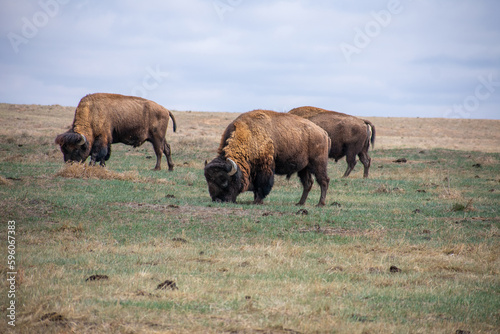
{"points": [[100, 152], [262, 186], [102, 162], [307, 183]]}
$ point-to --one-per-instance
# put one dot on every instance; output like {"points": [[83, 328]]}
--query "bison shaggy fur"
{"points": [[261, 143], [350, 135], [104, 119]]}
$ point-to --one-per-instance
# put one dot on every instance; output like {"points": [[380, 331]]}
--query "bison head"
{"points": [[74, 146], [223, 179]]}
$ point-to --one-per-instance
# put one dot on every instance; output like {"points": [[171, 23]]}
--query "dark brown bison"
{"points": [[261, 143], [104, 119], [350, 135]]}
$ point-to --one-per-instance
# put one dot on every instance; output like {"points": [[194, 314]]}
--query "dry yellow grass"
{"points": [[428, 133], [203, 127], [4, 181], [84, 171]]}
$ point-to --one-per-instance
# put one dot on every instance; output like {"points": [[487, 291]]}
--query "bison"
{"points": [[104, 119], [261, 143], [350, 135]]}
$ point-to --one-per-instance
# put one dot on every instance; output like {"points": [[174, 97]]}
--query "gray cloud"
{"points": [[405, 58]]}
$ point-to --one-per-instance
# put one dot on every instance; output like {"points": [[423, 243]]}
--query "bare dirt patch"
{"points": [[195, 212], [338, 231]]}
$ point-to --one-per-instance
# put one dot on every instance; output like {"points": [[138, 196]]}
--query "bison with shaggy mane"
{"points": [[104, 119], [350, 135], [261, 143]]}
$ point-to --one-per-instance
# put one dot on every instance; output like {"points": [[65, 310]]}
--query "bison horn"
{"points": [[83, 140], [234, 167]]}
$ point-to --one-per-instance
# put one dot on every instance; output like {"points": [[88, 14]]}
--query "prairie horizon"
{"points": [[392, 132]]}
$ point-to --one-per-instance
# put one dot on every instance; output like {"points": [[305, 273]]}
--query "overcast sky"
{"points": [[420, 58]]}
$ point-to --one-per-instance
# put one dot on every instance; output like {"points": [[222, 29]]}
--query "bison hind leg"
{"points": [[168, 152], [307, 183], [366, 161], [324, 181], [351, 162], [160, 147]]}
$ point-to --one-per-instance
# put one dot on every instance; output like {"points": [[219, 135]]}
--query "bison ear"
{"points": [[60, 139], [233, 167], [206, 163]]}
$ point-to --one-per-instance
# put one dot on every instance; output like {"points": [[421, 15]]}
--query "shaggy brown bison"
{"points": [[261, 143], [104, 119], [350, 135]]}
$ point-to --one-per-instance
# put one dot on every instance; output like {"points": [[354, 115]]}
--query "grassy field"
{"points": [[413, 249]]}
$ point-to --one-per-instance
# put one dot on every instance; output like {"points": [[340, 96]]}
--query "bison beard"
{"points": [[261, 143], [103, 119]]}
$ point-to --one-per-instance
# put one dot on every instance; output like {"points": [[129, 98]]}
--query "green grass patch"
{"points": [[246, 268]]}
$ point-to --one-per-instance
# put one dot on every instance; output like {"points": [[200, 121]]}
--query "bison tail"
{"points": [[371, 131], [173, 120]]}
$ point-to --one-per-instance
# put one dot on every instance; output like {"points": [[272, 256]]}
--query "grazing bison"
{"points": [[261, 143], [104, 119], [350, 135]]}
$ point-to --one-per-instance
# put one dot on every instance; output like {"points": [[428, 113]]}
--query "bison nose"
{"points": [[217, 200]]}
